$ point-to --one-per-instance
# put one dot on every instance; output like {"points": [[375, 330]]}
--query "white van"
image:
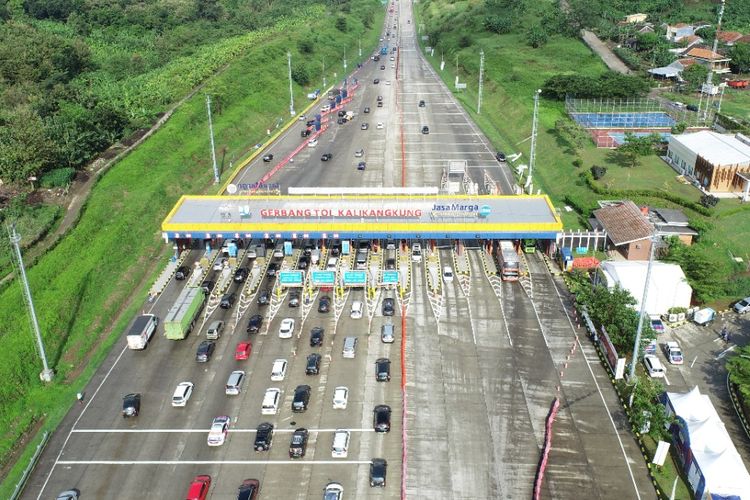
{"points": [[315, 256], [340, 447], [278, 372], [332, 264], [234, 383], [653, 366], [278, 251], [416, 252], [350, 347], [357, 308], [271, 399], [448, 274]]}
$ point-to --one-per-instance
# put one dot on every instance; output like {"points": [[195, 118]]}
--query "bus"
{"points": [[510, 266]]}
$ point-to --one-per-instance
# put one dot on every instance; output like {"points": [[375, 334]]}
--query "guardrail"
{"points": [[32, 463]]}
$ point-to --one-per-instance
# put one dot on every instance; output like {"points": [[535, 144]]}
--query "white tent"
{"points": [[668, 286]]}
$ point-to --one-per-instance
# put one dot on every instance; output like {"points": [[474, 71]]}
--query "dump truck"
{"points": [[182, 315], [141, 331]]}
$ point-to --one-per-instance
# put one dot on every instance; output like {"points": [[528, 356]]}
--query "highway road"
{"points": [[484, 359]]}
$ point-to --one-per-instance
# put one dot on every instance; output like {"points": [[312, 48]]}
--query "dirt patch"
{"points": [[129, 141], [20, 446]]}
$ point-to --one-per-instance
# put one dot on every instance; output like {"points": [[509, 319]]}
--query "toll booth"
{"points": [[566, 259]]}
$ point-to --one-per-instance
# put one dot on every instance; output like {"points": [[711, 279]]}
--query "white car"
{"points": [[286, 329], [278, 370], [333, 491], [448, 274], [312, 143], [653, 366], [218, 433], [357, 309], [301, 117], [387, 82], [359, 154], [340, 398], [380, 125], [219, 264], [182, 394]]}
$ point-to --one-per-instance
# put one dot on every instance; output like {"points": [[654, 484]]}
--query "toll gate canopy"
{"points": [[363, 216]]}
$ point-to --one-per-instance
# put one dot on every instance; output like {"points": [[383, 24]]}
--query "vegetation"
{"points": [[606, 85], [76, 302]]}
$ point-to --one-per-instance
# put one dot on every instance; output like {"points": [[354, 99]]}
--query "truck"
{"points": [[182, 315], [510, 266], [704, 316], [141, 331]]}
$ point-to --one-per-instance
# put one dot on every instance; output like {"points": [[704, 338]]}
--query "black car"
{"points": [[131, 405], [268, 157], [366, 110], [241, 275], [383, 370], [425, 130], [380, 104], [227, 301], [382, 66], [248, 489], [381, 418], [272, 268], [298, 443], [390, 263], [421, 104], [313, 364], [304, 262], [500, 156], [205, 350], [207, 286], [388, 306], [361, 165], [253, 326], [380, 98], [691, 107], [305, 133], [182, 273], [326, 157], [264, 298], [376, 81], [341, 121], [324, 304], [302, 398], [342, 112], [310, 123], [336, 250], [263, 437], [378, 469], [316, 336], [294, 299]]}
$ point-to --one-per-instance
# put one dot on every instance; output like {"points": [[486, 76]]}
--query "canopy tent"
{"points": [[668, 286]]}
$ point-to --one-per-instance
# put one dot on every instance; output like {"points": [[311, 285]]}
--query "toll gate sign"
{"points": [[323, 278], [291, 278], [390, 277], [355, 278]]}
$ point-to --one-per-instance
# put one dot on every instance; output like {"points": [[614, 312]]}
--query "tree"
{"points": [[572, 133], [300, 74], [536, 36], [598, 172], [25, 148], [647, 412], [211, 10], [306, 46], [694, 76], [498, 24], [464, 41], [704, 273], [738, 366], [341, 24], [740, 55]]}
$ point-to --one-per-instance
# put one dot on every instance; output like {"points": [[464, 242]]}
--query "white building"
{"points": [[668, 286]]}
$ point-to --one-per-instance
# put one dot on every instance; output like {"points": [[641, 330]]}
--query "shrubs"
{"points": [[709, 201], [607, 84], [598, 172], [498, 24], [58, 177]]}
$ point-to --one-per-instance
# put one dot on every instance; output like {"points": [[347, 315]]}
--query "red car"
{"points": [[199, 488], [243, 351]]}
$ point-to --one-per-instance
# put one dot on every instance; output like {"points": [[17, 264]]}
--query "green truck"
{"points": [[182, 315]]}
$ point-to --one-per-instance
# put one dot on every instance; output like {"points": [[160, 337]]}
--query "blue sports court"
{"points": [[624, 120]]}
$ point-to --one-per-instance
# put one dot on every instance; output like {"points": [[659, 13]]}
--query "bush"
{"points": [[598, 172], [341, 24], [464, 41], [577, 163], [498, 24], [679, 128], [709, 201], [58, 177], [536, 36], [300, 74], [306, 46]]}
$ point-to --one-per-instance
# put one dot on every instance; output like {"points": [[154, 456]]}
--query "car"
{"points": [[182, 394], [383, 370], [381, 418], [361, 165], [393, 58], [657, 325], [278, 370], [342, 112], [312, 143], [182, 273], [316, 336], [199, 487], [313, 364], [387, 82], [301, 398], [324, 304], [376, 81], [357, 309], [653, 366], [389, 306], [378, 469], [268, 157], [340, 397], [333, 491], [241, 275], [309, 123], [359, 153], [294, 299], [326, 157], [386, 333], [287, 328], [218, 432], [131, 405], [673, 352], [390, 263], [254, 324], [380, 98], [500, 156], [364, 126], [421, 104], [219, 264], [298, 443], [214, 329], [425, 129], [340, 446], [227, 301], [416, 252], [366, 110], [742, 306], [447, 274], [71, 495], [380, 104], [692, 107], [242, 351], [382, 66], [263, 437], [273, 267], [205, 350], [303, 262], [341, 121], [264, 298], [207, 286], [248, 490], [379, 126], [306, 133], [234, 383]]}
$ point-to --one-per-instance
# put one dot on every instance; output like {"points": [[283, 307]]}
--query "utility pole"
{"points": [[324, 74], [47, 373], [481, 82], [213, 145], [291, 95], [344, 59], [532, 153], [360, 47], [636, 345], [708, 87]]}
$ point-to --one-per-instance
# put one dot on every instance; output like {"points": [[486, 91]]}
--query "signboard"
{"points": [[354, 278], [291, 278], [390, 277], [323, 278], [661, 453]]}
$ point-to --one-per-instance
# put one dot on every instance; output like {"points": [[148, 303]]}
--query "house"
{"points": [[673, 70], [718, 163], [677, 32], [667, 287], [729, 37], [636, 18], [712, 60], [628, 229], [743, 39], [672, 222], [709, 459]]}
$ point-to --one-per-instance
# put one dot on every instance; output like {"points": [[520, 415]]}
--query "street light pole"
{"points": [[291, 95], [636, 345], [213, 145], [344, 59]]}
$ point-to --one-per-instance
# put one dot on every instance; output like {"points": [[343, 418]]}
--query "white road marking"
{"points": [[212, 462], [188, 431], [724, 352]]}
